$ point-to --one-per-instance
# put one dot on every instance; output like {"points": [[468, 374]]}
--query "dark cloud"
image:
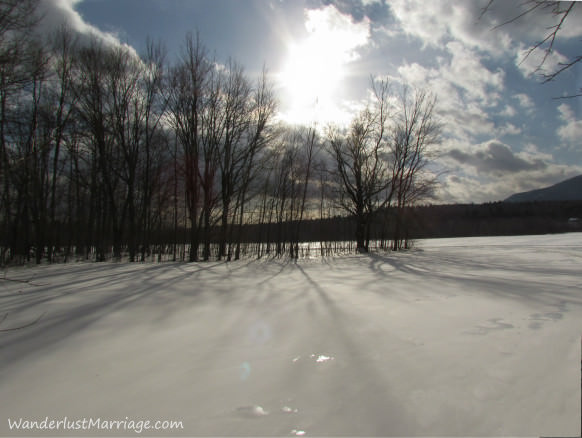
{"points": [[496, 158], [376, 11]]}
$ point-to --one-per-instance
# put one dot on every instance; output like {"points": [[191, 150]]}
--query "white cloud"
{"points": [[508, 111], [463, 70], [533, 26], [469, 78], [465, 89], [524, 181], [491, 171], [509, 129], [339, 35], [439, 21], [536, 62], [56, 13], [467, 71], [571, 129], [531, 152], [459, 187], [371, 2], [524, 101], [416, 74]]}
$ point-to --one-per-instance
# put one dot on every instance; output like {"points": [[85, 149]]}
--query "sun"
{"points": [[316, 68], [311, 78]]}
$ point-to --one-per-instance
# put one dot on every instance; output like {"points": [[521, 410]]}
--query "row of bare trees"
{"points": [[221, 122], [381, 160], [106, 154]]}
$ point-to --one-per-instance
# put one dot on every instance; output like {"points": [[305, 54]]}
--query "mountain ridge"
{"points": [[567, 190]]}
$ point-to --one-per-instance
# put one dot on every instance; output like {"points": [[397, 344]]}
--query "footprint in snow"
{"points": [[493, 325], [253, 411], [538, 319], [256, 411]]}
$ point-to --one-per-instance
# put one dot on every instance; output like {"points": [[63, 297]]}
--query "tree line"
{"points": [[107, 154]]}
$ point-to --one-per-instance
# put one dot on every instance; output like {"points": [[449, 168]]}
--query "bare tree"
{"points": [[285, 192], [120, 150], [561, 11], [86, 145], [321, 168], [154, 178], [361, 165], [122, 82], [414, 134], [60, 109], [185, 103], [259, 135], [31, 156], [17, 19], [309, 140], [383, 158], [212, 137], [233, 150], [106, 94]]}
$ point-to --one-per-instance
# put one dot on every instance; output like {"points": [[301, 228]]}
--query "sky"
{"points": [[504, 131]]}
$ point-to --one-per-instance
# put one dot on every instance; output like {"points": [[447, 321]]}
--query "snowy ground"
{"points": [[469, 337]]}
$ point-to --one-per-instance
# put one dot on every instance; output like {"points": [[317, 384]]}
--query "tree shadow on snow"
{"points": [[71, 300], [500, 279], [380, 413]]}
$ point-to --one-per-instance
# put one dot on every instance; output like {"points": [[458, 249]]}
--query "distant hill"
{"points": [[569, 190]]}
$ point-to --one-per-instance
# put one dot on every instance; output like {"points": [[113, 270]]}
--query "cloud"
{"points": [[316, 68], [58, 13], [439, 21], [497, 159], [508, 111], [375, 11], [532, 151], [571, 129], [465, 64], [508, 129], [524, 101], [337, 31], [472, 68], [465, 188], [468, 72], [465, 89], [531, 62], [463, 70], [491, 171], [458, 188]]}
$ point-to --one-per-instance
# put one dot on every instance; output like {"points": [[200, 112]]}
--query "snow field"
{"points": [[472, 337]]}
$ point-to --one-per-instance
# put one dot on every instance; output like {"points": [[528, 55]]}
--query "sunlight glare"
{"points": [[312, 75], [316, 67]]}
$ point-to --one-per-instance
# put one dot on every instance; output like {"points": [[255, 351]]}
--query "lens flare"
{"points": [[245, 370]]}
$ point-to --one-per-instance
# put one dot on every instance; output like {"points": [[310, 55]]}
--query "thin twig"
{"points": [[572, 96], [29, 281], [485, 9], [15, 280], [22, 326], [563, 66], [536, 5]]}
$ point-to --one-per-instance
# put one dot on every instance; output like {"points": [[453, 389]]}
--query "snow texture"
{"points": [[472, 337]]}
